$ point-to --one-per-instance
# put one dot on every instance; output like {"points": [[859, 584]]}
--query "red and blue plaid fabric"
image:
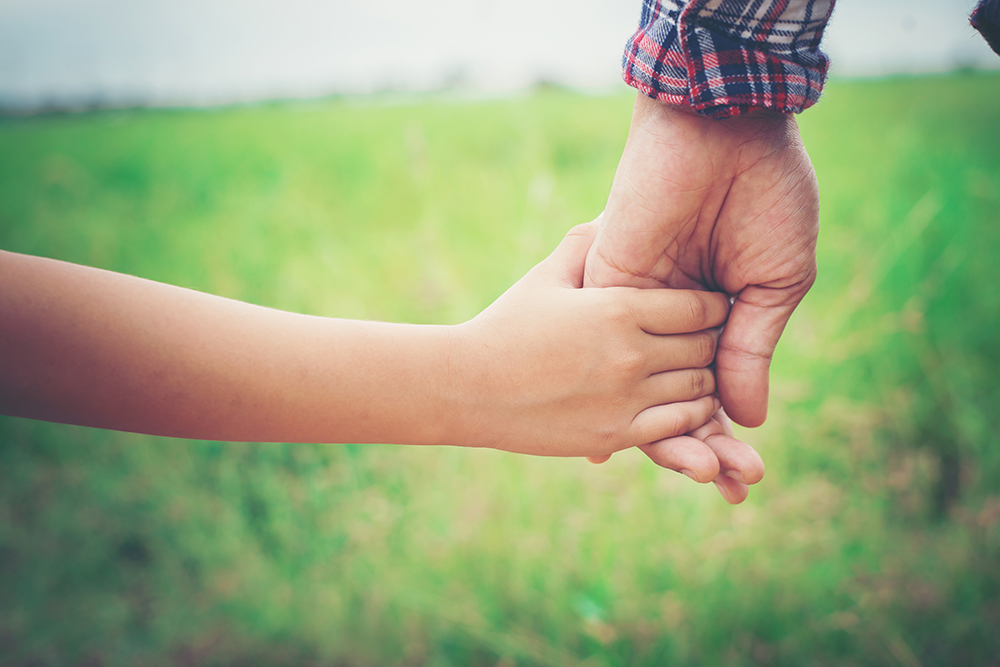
{"points": [[726, 57], [986, 19]]}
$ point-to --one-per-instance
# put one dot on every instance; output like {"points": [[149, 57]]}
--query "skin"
{"points": [[723, 205], [549, 369]]}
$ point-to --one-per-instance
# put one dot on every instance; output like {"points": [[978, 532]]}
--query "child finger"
{"points": [[566, 262], [686, 455], [666, 421], [598, 460], [690, 350], [734, 492], [674, 311], [674, 386]]}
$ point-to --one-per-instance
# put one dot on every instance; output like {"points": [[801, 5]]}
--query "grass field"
{"points": [[873, 540]]}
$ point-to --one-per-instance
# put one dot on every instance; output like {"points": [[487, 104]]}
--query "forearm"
{"points": [[90, 347], [548, 369]]}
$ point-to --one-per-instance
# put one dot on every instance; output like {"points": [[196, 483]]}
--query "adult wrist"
{"points": [[722, 134]]}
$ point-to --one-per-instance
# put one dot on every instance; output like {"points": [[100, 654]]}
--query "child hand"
{"points": [[558, 370]]}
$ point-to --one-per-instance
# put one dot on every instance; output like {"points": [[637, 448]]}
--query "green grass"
{"points": [[873, 540]]}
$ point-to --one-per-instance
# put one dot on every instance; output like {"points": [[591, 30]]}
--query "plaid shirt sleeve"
{"points": [[986, 19], [727, 57]]}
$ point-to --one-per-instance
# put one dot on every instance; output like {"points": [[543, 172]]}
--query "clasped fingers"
{"points": [[680, 351]]}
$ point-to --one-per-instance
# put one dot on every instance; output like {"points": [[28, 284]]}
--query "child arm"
{"points": [[548, 369]]}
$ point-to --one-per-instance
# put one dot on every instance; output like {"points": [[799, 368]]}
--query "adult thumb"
{"points": [[746, 347]]}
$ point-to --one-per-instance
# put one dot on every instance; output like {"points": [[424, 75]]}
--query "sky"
{"points": [[67, 53]]}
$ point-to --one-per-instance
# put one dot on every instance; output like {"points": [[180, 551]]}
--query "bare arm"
{"points": [[96, 348], [548, 369]]}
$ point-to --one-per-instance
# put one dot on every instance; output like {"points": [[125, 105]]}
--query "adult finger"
{"points": [[734, 492], [685, 455], [675, 311], [744, 355], [723, 420], [737, 459]]}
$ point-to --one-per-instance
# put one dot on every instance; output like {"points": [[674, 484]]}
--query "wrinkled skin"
{"points": [[724, 205]]}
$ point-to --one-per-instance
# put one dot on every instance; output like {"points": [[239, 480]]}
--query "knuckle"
{"points": [[672, 424], [697, 310], [610, 438], [679, 421], [584, 230], [700, 383], [629, 361], [699, 414], [705, 348], [613, 308], [619, 309]]}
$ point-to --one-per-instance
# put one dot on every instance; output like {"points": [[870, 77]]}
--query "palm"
{"points": [[728, 206]]}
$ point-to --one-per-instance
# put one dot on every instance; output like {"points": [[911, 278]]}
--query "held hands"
{"points": [[728, 206], [561, 371]]}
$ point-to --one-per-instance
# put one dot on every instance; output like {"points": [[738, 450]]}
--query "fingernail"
{"points": [[690, 474], [737, 475], [718, 403], [722, 490]]}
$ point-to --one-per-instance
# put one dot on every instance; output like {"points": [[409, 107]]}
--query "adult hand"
{"points": [[709, 453], [724, 205], [739, 464]]}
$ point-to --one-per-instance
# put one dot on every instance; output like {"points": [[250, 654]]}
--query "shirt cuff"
{"points": [[986, 19], [724, 58]]}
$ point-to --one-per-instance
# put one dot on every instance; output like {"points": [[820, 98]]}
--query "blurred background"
{"points": [[93, 53], [246, 149]]}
